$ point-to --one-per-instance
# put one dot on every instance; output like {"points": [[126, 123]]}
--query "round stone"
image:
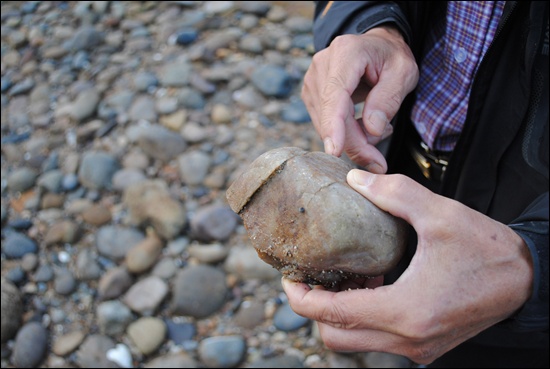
{"points": [[306, 221]]}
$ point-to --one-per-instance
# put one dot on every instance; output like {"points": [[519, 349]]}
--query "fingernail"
{"points": [[375, 168], [361, 177], [286, 282], [387, 132], [329, 146], [378, 120]]}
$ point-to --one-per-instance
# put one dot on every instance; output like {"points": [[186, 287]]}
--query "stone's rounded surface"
{"points": [[286, 320], [147, 333], [30, 346], [16, 245], [199, 291], [306, 221], [12, 309], [222, 351]]}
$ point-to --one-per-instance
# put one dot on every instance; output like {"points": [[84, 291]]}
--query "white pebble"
{"points": [[120, 355], [64, 257]]}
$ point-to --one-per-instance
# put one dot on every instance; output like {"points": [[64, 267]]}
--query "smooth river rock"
{"points": [[305, 220]]}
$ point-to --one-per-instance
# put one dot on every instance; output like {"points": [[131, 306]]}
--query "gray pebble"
{"points": [[173, 360], [16, 245], [281, 361], [115, 241], [113, 317], [160, 143], [287, 320], [69, 182], [92, 353], [22, 179], [97, 169], [222, 351], [146, 295], [44, 273], [272, 81], [213, 223], [193, 167], [51, 181], [144, 81], [16, 275], [30, 345], [64, 282], [199, 291]]}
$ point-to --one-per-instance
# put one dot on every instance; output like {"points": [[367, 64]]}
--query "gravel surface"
{"points": [[123, 124]]}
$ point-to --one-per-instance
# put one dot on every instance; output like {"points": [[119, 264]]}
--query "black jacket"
{"points": [[499, 166]]}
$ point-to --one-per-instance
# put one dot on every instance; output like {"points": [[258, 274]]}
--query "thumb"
{"points": [[395, 193]]}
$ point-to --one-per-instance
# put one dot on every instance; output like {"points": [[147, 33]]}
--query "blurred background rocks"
{"points": [[123, 124]]}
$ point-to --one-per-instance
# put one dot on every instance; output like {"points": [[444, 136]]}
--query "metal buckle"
{"points": [[436, 158], [430, 164]]}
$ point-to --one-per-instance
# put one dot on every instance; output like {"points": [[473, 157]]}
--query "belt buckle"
{"points": [[423, 164], [437, 159], [431, 165]]}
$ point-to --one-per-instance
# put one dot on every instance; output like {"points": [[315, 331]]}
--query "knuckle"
{"points": [[396, 185], [423, 354], [392, 101], [439, 227], [423, 348], [335, 317], [334, 83], [318, 56], [341, 41], [395, 100], [331, 343], [325, 124], [304, 94], [355, 155]]}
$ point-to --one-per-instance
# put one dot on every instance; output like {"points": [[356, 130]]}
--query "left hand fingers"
{"points": [[346, 323], [350, 309]]}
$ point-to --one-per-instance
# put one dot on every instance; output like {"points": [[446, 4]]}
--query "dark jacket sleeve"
{"points": [[532, 226], [334, 18]]}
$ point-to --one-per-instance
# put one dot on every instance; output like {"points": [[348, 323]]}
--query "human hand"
{"points": [[469, 273], [376, 68]]}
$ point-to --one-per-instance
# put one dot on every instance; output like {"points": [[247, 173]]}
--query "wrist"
{"points": [[385, 30]]}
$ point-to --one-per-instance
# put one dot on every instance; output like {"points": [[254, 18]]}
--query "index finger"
{"points": [[336, 109], [341, 80]]}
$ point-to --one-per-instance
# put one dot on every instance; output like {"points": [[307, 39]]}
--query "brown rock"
{"points": [[303, 218], [97, 215], [64, 231], [141, 257], [114, 283]]}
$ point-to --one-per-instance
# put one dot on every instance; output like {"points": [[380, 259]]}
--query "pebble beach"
{"points": [[123, 125]]}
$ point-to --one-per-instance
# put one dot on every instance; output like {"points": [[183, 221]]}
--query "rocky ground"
{"points": [[123, 124]]}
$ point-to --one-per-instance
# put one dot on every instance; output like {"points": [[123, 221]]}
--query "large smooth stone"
{"points": [[303, 218], [12, 310]]}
